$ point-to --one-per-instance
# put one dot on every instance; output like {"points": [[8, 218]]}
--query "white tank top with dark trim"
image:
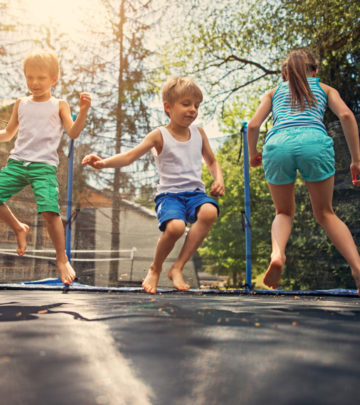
{"points": [[40, 131], [180, 163]]}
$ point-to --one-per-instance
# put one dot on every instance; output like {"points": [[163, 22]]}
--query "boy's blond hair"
{"points": [[177, 87], [44, 59]]}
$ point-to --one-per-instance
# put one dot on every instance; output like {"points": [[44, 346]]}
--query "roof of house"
{"points": [[92, 198]]}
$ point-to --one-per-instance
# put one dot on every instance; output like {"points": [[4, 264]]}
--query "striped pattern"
{"points": [[285, 116]]}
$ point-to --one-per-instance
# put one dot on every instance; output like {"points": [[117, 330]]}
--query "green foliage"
{"points": [[232, 45], [332, 29], [223, 252]]}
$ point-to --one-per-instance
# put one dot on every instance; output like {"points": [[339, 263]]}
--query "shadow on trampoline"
{"points": [[15, 313]]}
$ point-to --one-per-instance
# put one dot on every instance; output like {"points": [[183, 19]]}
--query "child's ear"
{"points": [[167, 107], [55, 80]]}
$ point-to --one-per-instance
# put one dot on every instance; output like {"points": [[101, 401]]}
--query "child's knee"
{"points": [[207, 213], [322, 216], [175, 228], [287, 211]]}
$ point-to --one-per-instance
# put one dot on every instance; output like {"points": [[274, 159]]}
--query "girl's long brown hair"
{"points": [[297, 66]]}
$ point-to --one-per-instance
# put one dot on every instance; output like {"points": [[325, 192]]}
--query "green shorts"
{"points": [[305, 149], [40, 176]]}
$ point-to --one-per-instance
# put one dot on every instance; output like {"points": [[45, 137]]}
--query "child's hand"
{"points": [[355, 173], [217, 189], [84, 101], [256, 160], [95, 161]]}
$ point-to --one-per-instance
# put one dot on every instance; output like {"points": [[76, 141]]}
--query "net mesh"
{"points": [[113, 242]]}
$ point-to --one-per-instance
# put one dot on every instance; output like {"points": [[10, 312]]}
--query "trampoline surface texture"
{"points": [[181, 348]]}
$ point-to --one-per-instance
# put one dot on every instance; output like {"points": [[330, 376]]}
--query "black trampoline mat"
{"points": [[127, 348]]}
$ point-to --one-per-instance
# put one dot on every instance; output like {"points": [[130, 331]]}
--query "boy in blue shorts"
{"points": [[178, 149], [39, 119]]}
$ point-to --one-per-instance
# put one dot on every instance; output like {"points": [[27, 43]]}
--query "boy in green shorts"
{"points": [[39, 119]]}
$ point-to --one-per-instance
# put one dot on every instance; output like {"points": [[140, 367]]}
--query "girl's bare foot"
{"points": [[151, 281], [67, 273], [21, 239], [176, 276], [273, 273]]}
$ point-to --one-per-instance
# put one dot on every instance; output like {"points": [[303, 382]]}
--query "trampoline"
{"points": [[178, 348]]}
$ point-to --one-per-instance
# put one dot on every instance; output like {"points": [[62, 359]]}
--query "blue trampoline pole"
{"points": [[247, 208], [69, 196]]}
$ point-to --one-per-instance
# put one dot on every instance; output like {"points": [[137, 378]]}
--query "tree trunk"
{"points": [[115, 230]]}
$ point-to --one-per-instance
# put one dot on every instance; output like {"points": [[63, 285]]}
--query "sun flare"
{"points": [[71, 17]]}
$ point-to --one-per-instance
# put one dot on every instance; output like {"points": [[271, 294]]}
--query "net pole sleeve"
{"points": [[247, 208], [69, 196]]}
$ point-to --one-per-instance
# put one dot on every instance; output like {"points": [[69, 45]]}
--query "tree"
{"points": [[233, 45], [124, 113]]}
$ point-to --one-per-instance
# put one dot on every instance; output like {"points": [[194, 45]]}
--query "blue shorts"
{"points": [[306, 149], [180, 206]]}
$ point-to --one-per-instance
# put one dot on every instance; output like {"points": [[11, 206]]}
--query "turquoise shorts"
{"points": [[40, 176], [306, 149]]}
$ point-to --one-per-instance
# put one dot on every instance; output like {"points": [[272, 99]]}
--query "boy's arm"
{"points": [[12, 126], [217, 188], [153, 139], [254, 125], [73, 128], [349, 126]]}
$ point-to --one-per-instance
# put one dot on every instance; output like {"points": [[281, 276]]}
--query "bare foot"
{"points": [[176, 276], [21, 239], [151, 281], [67, 273], [273, 273]]}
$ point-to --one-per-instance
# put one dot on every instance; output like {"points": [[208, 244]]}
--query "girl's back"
{"points": [[286, 115]]}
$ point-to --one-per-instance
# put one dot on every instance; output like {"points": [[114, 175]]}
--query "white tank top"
{"points": [[179, 163], [40, 131]]}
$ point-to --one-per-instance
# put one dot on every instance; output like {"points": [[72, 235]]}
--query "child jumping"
{"points": [[178, 148], [298, 141], [40, 119]]}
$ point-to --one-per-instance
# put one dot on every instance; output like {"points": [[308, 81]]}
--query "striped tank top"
{"points": [[286, 116]]}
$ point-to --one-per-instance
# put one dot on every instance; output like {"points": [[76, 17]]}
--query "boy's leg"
{"points": [[12, 180], [56, 231], [284, 201], [321, 194], [45, 187], [173, 231], [206, 216], [20, 229]]}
